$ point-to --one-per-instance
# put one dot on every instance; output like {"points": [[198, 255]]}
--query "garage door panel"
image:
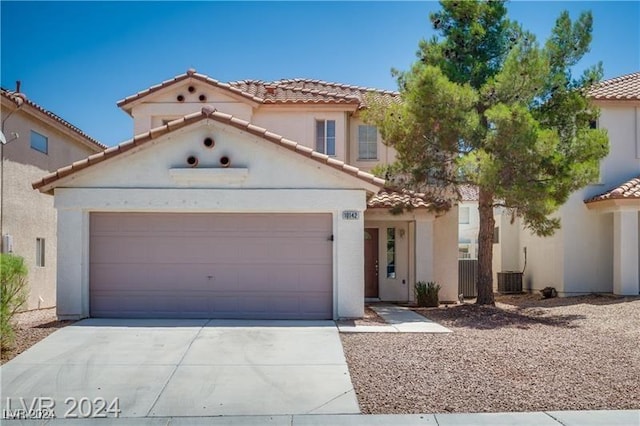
{"points": [[211, 265]]}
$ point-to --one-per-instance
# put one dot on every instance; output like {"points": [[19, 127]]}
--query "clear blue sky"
{"points": [[78, 58]]}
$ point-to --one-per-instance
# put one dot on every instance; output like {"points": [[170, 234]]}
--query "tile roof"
{"points": [[389, 198], [191, 73], [207, 112], [469, 192], [627, 191], [626, 87], [21, 99], [291, 91]]}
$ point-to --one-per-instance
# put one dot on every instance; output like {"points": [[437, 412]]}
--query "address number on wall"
{"points": [[351, 215]]}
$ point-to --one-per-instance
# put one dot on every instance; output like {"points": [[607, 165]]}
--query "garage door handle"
{"points": [[330, 238]]}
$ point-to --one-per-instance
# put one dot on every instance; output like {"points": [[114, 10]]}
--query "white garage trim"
{"points": [[75, 204]]}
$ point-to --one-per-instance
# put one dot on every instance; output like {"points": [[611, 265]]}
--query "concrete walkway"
{"points": [[399, 320], [548, 418]]}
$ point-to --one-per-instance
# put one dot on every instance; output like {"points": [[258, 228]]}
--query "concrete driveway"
{"points": [[166, 368]]}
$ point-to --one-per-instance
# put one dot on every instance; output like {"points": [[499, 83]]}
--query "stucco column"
{"points": [[72, 285], [349, 264], [424, 250], [626, 277]]}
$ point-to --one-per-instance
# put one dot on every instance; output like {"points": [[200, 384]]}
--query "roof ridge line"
{"points": [[10, 95]]}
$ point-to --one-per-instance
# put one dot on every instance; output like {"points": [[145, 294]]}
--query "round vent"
{"points": [[180, 98], [209, 142], [192, 89], [202, 98], [192, 160], [225, 162]]}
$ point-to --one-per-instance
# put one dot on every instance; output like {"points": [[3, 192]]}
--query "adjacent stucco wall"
{"points": [[445, 254], [299, 124], [545, 260], [28, 214]]}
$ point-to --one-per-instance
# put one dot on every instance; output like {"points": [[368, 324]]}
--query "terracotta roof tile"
{"points": [[468, 192], [391, 198], [627, 191], [626, 87], [206, 113], [20, 98], [290, 91]]}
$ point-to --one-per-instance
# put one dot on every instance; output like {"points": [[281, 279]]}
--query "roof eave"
{"points": [[613, 204]]}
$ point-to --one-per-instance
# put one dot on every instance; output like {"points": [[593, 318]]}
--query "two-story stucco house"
{"points": [[598, 248], [37, 142], [247, 199]]}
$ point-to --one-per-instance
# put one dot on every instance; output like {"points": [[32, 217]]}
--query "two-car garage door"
{"points": [[193, 265]]}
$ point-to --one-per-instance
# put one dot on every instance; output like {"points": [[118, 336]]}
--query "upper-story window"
{"points": [[39, 142], [326, 136], [367, 142], [463, 215]]}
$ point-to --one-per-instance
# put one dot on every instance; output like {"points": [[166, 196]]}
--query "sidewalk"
{"points": [[549, 418], [399, 319]]}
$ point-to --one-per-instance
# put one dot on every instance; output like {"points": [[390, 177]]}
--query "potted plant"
{"points": [[427, 293]]}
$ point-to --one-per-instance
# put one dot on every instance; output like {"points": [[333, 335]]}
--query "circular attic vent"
{"points": [[192, 160]]}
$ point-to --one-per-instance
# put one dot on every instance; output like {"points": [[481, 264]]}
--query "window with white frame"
{"points": [[326, 136], [391, 252], [463, 215], [367, 142], [39, 251], [39, 142]]}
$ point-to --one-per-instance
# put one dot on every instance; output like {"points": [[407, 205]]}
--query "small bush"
{"points": [[13, 294], [427, 293]]}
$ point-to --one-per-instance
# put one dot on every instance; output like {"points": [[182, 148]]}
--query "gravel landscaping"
{"points": [[525, 354], [30, 328]]}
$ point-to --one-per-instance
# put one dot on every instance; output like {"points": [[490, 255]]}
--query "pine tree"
{"points": [[486, 105]]}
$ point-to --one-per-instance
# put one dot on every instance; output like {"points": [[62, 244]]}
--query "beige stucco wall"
{"points": [[445, 254], [28, 214], [299, 124], [150, 112]]}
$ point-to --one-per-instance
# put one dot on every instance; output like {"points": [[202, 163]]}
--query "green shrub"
{"points": [[427, 293], [13, 294]]}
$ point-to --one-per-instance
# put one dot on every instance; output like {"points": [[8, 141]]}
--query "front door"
{"points": [[371, 262]]}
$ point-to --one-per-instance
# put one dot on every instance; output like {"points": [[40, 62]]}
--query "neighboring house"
{"points": [[243, 200], [38, 142], [468, 222], [597, 249]]}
